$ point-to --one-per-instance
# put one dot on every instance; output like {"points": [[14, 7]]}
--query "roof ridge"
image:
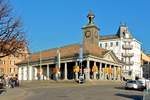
{"points": [[55, 48], [108, 35]]}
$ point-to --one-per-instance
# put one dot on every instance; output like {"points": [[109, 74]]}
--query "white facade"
{"points": [[126, 48], [26, 73]]}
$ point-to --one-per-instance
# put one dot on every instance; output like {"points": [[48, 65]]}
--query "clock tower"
{"points": [[90, 31]]}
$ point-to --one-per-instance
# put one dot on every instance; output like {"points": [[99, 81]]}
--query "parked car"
{"points": [[134, 84], [143, 81]]}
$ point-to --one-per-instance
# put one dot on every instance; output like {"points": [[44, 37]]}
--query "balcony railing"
{"points": [[127, 54], [127, 46], [127, 39], [129, 63]]}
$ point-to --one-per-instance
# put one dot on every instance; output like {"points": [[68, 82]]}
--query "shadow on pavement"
{"points": [[2, 90], [123, 88], [134, 97], [120, 88]]}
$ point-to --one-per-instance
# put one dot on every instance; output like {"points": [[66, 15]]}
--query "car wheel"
{"points": [[126, 88]]}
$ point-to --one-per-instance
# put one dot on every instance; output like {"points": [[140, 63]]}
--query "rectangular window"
{"points": [[117, 43], [105, 45], [100, 45], [122, 59], [111, 44]]}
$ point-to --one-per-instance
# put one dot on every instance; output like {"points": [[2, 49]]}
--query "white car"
{"points": [[134, 84]]}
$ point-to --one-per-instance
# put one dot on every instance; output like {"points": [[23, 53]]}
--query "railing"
{"points": [[127, 39], [127, 46], [127, 54], [129, 63]]}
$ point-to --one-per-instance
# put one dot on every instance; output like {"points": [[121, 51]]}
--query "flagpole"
{"points": [[58, 61], [40, 65], [81, 57]]}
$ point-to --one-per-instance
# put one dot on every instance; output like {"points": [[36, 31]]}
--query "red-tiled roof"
{"points": [[68, 51]]}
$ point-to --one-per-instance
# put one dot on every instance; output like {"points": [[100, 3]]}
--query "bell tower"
{"points": [[90, 31]]}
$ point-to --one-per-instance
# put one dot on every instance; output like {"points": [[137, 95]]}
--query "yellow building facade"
{"points": [[8, 64]]}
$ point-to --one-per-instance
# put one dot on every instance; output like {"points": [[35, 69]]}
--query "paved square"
{"points": [[96, 90]]}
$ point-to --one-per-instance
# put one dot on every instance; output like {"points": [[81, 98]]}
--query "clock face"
{"points": [[87, 34]]}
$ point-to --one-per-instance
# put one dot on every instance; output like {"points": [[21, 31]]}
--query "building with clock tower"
{"points": [[97, 63], [91, 31]]}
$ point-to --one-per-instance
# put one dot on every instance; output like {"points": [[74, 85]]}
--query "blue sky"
{"points": [[54, 23]]}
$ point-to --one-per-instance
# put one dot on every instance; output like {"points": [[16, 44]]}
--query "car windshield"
{"points": [[131, 81], [140, 82]]}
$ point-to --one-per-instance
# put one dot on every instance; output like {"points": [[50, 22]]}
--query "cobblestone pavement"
{"points": [[70, 90]]}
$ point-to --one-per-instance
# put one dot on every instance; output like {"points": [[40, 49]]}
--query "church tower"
{"points": [[90, 31]]}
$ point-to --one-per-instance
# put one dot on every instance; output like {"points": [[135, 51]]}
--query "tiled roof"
{"points": [[94, 50], [68, 51], [107, 37]]}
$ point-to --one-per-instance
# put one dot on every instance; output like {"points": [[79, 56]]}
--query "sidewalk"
{"points": [[61, 83], [13, 94], [19, 93]]}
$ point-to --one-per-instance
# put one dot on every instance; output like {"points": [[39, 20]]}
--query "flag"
{"points": [[81, 53]]}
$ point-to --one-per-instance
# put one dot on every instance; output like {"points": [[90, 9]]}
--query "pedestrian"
{"points": [[7, 80], [11, 82], [16, 80]]}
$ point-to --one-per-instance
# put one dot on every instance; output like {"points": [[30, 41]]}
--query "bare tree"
{"points": [[12, 37]]}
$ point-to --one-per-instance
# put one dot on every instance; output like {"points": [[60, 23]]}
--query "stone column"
{"points": [[47, 72], [76, 73], [65, 78], [25, 73], [20, 73], [41, 73], [35, 73], [110, 76], [114, 73], [118, 77], [30, 73], [88, 70], [94, 73], [100, 71]]}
